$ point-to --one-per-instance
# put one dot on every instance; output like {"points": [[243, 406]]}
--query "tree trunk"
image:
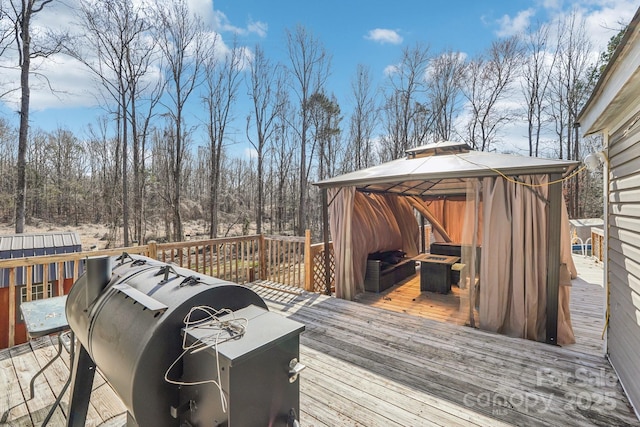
{"points": [[137, 179], [23, 136], [125, 187], [260, 195], [302, 202]]}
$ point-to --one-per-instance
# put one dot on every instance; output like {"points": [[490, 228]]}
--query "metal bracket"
{"points": [[189, 405], [123, 257], [295, 368], [166, 269], [189, 281]]}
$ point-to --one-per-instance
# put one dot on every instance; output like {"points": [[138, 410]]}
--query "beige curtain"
{"points": [[567, 272], [452, 215], [365, 223], [513, 269], [470, 241], [340, 215], [495, 262], [407, 224]]}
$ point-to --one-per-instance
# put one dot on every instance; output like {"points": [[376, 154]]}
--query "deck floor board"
{"points": [[370, 366]]}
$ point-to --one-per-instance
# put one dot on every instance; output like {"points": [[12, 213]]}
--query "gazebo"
{"points": [[510, 205]]}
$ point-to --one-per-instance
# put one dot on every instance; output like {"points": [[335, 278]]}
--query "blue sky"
{"points": [[371, 32]]}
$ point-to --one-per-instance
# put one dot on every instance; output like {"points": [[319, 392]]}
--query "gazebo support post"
{"points": [[423, 237], [325, 235], [553, 256]]}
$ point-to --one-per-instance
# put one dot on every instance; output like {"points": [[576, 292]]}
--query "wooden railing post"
{"points": [[12, 306], [308, 259], [262, 254], [61, 278], [29, 271], [597, 243], [153, 249]]}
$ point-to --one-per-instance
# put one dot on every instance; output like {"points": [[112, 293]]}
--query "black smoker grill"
{"points": [[128, 315]]}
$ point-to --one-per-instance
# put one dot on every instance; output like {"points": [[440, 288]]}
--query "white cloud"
{"points": [[552, 4], [250, 153], [61, 82], [382, 36], [68, 83], [202, 9], [222, 24], [391, 69], [257, 27], [246, 58], [605, 21], [511, 26]]}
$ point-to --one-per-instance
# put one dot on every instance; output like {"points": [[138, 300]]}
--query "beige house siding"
{"points": [[624, 257]]}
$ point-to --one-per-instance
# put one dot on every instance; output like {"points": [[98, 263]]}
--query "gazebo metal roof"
{"points": [[442, 169]]}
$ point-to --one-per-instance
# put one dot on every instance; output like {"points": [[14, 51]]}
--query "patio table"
{"points": [[46, 317]]}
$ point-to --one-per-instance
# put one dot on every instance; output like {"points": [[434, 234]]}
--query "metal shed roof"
{"points": [[442, 169], [29, 244], [36, 244]]}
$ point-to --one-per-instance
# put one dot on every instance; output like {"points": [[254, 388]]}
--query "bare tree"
{"points": [[570, 85], [64, 158], [7, 41], [536, 75], [325, 126], [309, 68], [183, 43], [118, 50], [8, 158], [488, 82], [104, 181], [282, 171], [162, 166], [221, 92], [444, 89], [362, 122], [38, 176], [391, 146], [265, 89], [141, 121], [406, 113], [21, 14]]}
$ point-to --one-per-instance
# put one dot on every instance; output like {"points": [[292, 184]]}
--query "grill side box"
{"points": [[254, 374]]}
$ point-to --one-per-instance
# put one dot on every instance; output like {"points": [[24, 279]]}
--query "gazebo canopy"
{"points": [[442, 168], [524, 229]]}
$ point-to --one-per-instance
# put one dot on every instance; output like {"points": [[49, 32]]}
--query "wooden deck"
{"points": [[587, 304], [367, 366]]}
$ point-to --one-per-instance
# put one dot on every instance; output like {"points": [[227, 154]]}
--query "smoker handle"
{"points": [[295, 368], [140, 297]]}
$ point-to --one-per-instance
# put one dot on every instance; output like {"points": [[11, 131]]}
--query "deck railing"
{"points": [[597, 243], [292, 261], [235, 259]]}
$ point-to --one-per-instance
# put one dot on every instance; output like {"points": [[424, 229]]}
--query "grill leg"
{"points": [[84, 368]]}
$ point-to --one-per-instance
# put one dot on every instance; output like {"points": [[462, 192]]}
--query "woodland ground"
{"points": [[95, 235]]}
